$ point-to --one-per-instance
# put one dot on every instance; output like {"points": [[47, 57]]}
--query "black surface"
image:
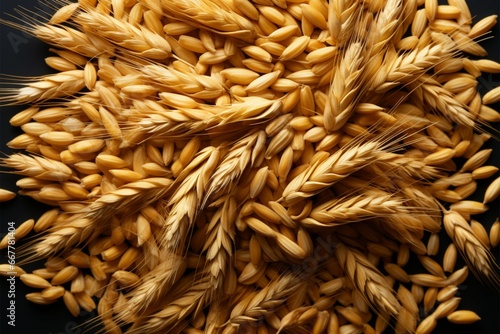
{"points": [[21, 54]]}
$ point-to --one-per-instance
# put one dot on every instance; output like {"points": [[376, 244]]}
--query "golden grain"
{"points": [[463, 317], [483, 26], [446, 293], [495, 234], [53, 292], [6, 195], [65, 275], [492, 191], [36, 297], [85, 302], [295, 48], [447, 307], [35, 281]]}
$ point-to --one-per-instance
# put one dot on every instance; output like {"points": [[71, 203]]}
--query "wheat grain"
{"points": [[446, 293], [71, 303], [6, 195], [463, 317], [53, 293], [35, 281]]}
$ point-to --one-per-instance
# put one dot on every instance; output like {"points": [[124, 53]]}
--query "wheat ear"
{"points": [[245, 153], [186, 201], [37, 167], [386, 24], [97, 216], [344, 87], [154, 286], [438, 98], [42, 88], [184, 304], [353, 209], [139, 41], [190, 84], [257, 304], [474, 252], [220, 243], [206, 119], [368, 280], [322, 174], [215, 16]]}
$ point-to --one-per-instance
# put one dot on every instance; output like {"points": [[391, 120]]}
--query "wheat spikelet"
{"points": [[342, 19]]}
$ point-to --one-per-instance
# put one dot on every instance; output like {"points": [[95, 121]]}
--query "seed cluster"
{"points": [[257, 166]]}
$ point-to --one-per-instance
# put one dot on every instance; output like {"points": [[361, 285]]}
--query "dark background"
{"points": [[21, 54]]}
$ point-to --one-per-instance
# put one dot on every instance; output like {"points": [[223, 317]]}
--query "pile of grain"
{"points": [[257, 166]]}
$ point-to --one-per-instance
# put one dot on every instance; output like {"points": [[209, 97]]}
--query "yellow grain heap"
{"points": [[257, 166]]}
